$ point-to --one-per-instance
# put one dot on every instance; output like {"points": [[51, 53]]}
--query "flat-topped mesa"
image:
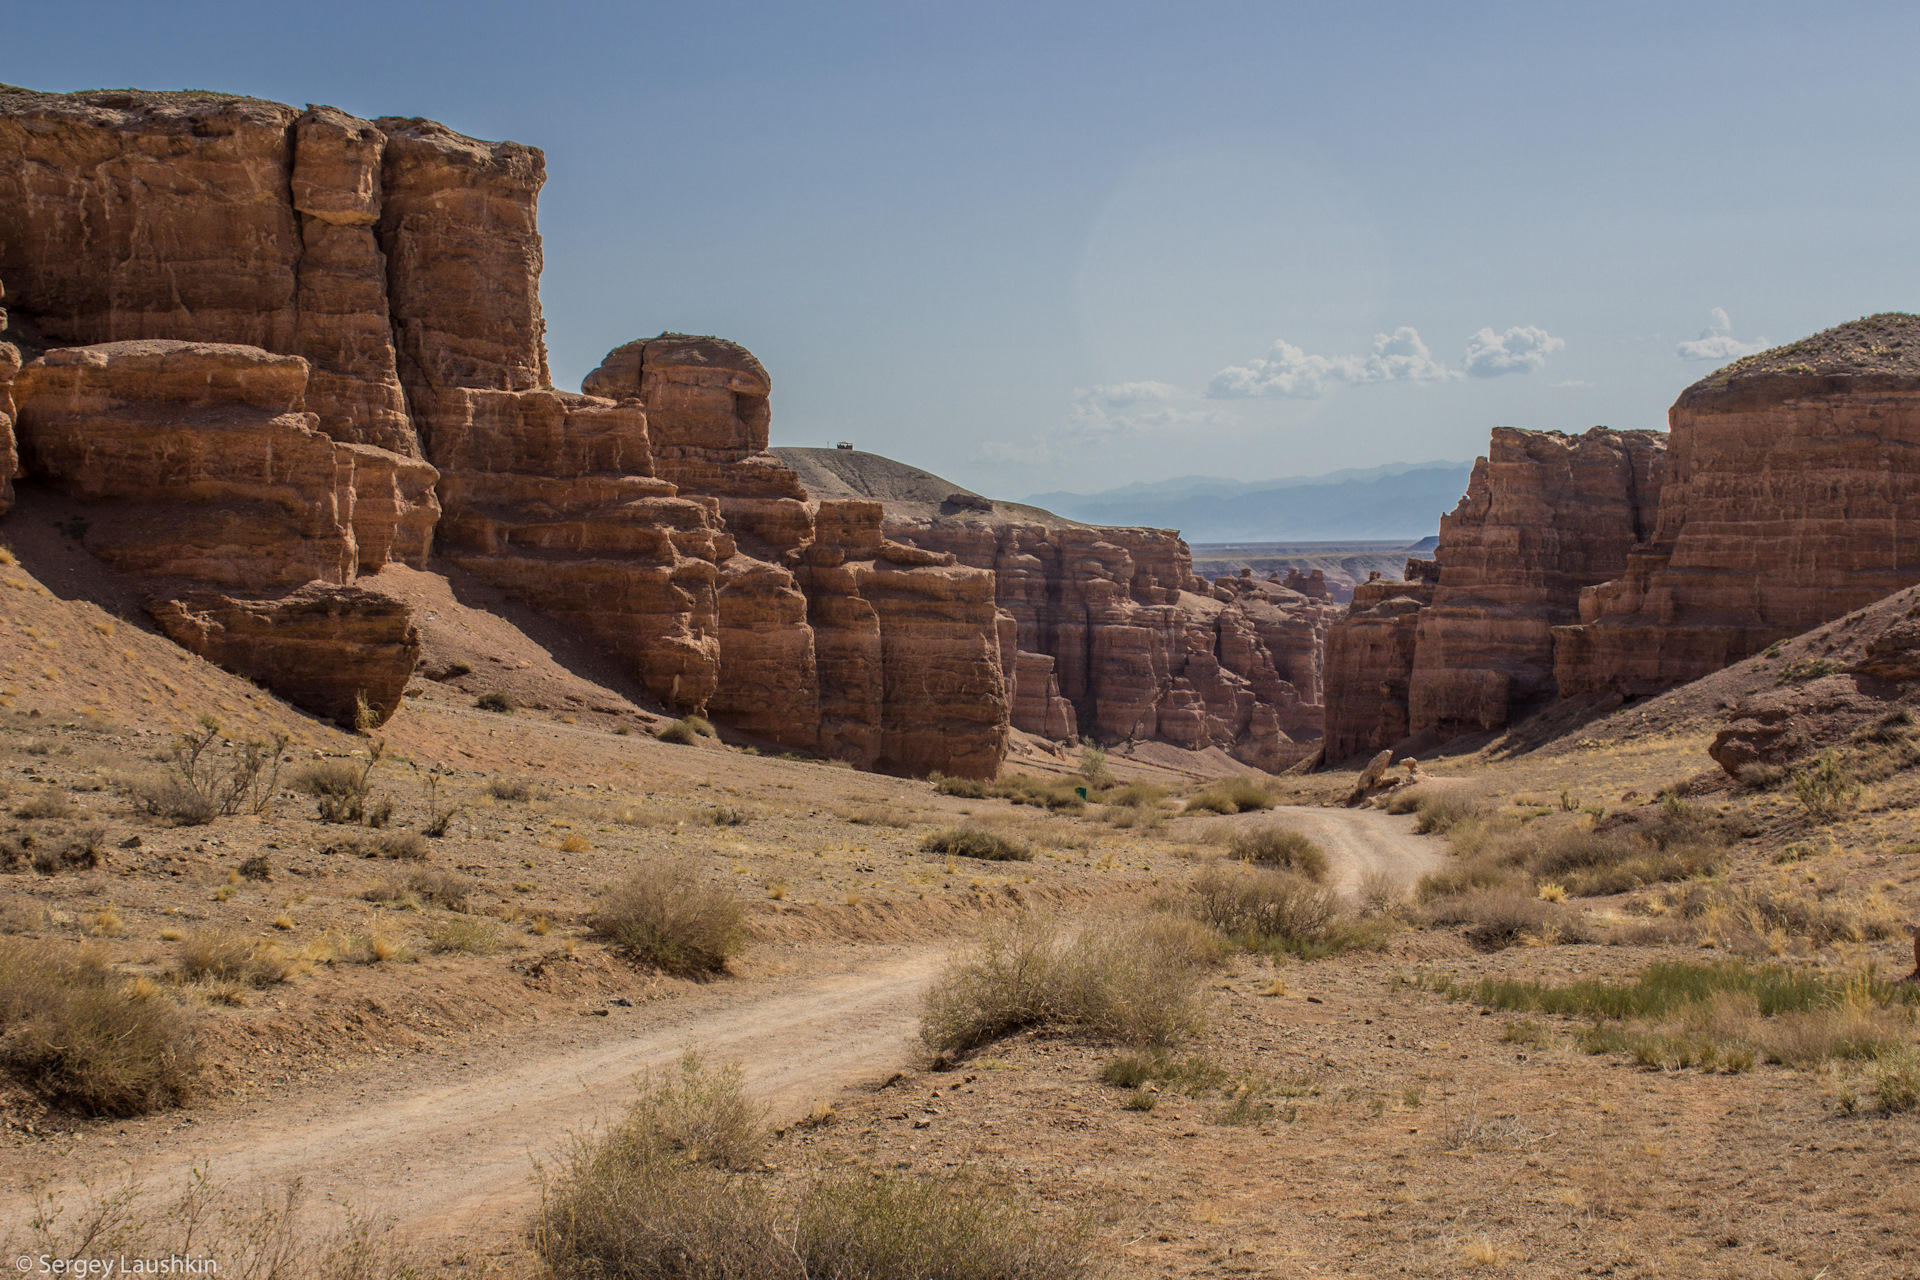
{"points": [[1545, 515], [1792, 496]]}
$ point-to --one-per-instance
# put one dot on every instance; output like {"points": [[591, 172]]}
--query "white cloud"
{"points": [[1521, 349], [1288, 372], [1126, 409], [1001, 453], [1573, 382], [1716, 341]]}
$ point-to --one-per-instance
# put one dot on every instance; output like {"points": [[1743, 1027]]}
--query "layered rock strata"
{"points": [[1369, 664], [1466, 643], [9, 450], [1792, 496], [201, 467], [1544, 516]]}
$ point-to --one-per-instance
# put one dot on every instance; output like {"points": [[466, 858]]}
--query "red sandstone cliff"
{"points": [[1467, 645], [1792, 497], [1108, 632], [1544, 516]]}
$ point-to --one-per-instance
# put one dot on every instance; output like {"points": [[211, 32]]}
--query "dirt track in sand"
{"points": [[446, 1144]]}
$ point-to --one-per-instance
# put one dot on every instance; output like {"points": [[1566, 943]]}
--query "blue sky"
{"points": [[1068, 247]]}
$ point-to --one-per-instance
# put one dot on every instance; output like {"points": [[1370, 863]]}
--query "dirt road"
{"points": [[445, 1144], [1360, 842]]}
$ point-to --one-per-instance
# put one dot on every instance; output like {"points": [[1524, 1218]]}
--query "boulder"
{"points": [[323, 648]]}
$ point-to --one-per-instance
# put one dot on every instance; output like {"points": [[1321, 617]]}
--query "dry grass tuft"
{"points": [[79, 1036], [664, 915], [977, 842], [218, 955], [1279, 847], [1136, 984], [1230, 795]]}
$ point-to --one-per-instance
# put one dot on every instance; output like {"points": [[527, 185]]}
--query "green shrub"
{"points": [[1093, 767], [1042, 793], [664, 915], [977, 842], [1826, 791], [1135, 984], [79, 1036], [1231, 795], [1278, 847]]}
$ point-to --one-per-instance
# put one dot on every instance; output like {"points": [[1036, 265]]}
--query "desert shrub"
{"points": [[1742, 918], [1093, 767], [496, 700], [1826, 791], [1276, 910], [79, 1036], [218, 955], [1230, 795], [687, 731], [858, 1227], [202, 783], [658, 1199], [443, 889], [876, 815], [343, 789], [967, 788], [45, 805], [457, 669], [1589, 864], [1442, 811], [1278, 847], [51, 852], [467, 935], [977, 842], [1896, 1080], [1129, 817], [665, 916], [1499, 918], [440, 815], [1805, 669], [1042, 793], [1380, 893], [1135, 984], [514, 790], [728, 815], [1758, 775], [1135, 795]]}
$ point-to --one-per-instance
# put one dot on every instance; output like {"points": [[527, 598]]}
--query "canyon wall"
{"points": [[283, 347], [1107, 632], [1466, 644], [1792, 497], [1544, 516]]}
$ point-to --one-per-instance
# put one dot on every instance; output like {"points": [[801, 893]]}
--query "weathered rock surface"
{"points": [[1140, 648], [1792, 489], [9, 451], [1544, 516], [200, 466], [1369, 664], [323, 647]]}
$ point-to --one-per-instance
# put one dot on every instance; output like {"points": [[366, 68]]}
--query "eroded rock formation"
{"points": [[1792, 496], [9, 452], [202, 468], [1544, 516], [1109, 632], [1466, 643]]}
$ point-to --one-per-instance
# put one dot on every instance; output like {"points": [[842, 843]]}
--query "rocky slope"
{"points": [[1108, 631], [1792, 496]]}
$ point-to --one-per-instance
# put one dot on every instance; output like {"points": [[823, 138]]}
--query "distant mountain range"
{"points": [[1401, 500]]}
